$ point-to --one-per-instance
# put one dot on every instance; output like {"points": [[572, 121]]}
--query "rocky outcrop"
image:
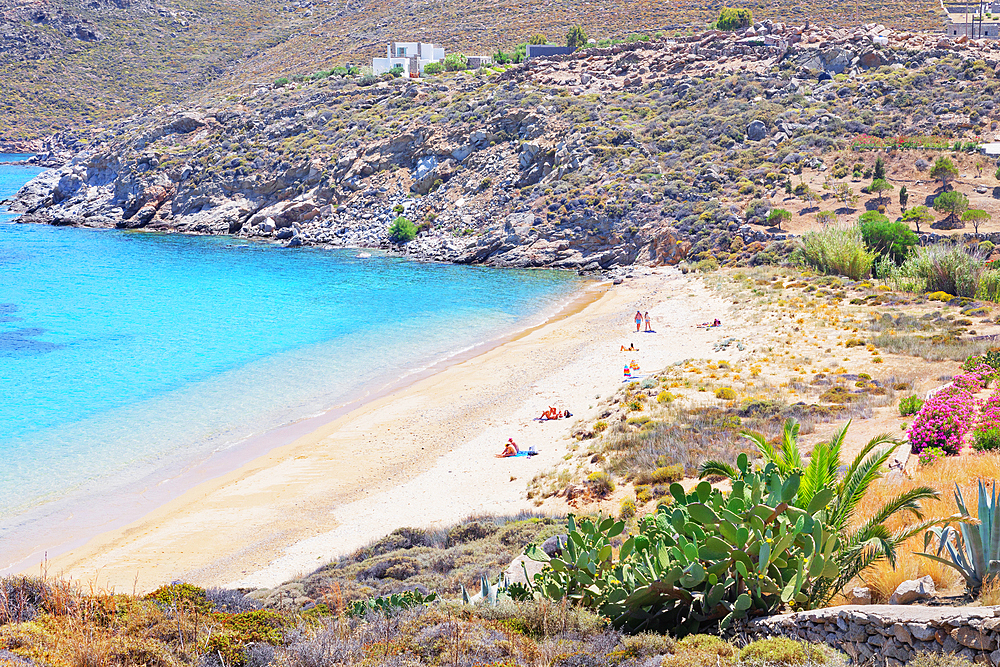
{"points": [[893, 633]]}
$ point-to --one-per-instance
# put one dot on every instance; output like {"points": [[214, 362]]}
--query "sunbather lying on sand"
{"points": [[552, 413], [631, 348], [709, 325]]}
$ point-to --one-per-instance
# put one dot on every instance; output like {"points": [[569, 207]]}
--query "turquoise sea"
{"points": [[126, 358]]}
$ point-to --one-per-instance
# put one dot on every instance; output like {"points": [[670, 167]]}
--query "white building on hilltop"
{"points": [[411, 56]]}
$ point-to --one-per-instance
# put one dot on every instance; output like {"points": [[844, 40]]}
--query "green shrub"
{"points": [[600, 483], [783, 652], [396, 71], [576, 38], [627, 509], [230, 643], [894, 240], [732, 18], [182, 596], [402, 230], [987, 440], [433, 68], [838, 251], [600, 426], [707, 265], [910, 405], [455, 62], [368, 80], [665, 397], [725, 393]]}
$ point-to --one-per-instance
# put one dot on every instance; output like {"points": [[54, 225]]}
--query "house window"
{"points": [[400, 51]]}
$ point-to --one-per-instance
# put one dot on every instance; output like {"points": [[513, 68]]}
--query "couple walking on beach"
{"points": [[640, 318]]}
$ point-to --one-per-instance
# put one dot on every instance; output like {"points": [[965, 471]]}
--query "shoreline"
{"points": [[368, 472], [162, 486]]}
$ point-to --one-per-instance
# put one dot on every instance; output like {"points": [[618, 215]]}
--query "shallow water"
{"points": [[124, 355]]}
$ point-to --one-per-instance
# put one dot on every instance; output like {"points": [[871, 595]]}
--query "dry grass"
{"points": [[989, 595], [966, 471]]}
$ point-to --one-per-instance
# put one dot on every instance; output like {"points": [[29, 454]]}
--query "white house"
{"points": [[411, 56]]}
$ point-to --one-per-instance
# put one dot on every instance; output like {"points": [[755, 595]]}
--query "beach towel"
{"points": [[527, 454]]}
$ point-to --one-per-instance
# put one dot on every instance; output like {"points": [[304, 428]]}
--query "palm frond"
{"points": [[863, 471], [790, 453], [720, 468], [767, 451]]}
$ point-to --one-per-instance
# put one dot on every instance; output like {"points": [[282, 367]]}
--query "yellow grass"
{"points": [[966, 471], [990, 594]]}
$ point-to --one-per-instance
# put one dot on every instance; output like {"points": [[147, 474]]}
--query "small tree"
{"points": [[917, 215], [731, 18], [904, 197], [433, 68], [944, 170], [778, 216], [826, 218], [880, 185], [402, 230], [996, 174], [576, 38], [976, 216], [953, 204], [879, 169], [979, 168], [538, 39], [845, 194]]}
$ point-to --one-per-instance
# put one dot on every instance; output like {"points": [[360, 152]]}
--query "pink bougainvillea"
{"points": [[945, 418]]}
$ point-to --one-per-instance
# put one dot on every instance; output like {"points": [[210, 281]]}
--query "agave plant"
{"points": [[974, 548], [823, 485]]}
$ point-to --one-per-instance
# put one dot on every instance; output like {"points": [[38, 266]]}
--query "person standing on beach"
{"points": [[638, 320], [649, 326]]}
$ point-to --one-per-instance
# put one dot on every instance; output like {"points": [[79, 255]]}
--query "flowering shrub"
{"points": [[944, 420], [987, 433], [986, 440], [931, 455]]}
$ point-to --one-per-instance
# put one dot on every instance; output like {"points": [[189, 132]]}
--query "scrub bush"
{"points": [[402, 230]]}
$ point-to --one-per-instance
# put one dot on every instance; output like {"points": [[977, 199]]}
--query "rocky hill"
{"points": [[640, 152], [75, 66]]}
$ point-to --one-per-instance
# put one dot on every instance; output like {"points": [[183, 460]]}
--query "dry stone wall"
{"points": [[893, 634]]}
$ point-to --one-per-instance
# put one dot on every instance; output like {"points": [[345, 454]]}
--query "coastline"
{"points": [[49, 531], [368, 471]]}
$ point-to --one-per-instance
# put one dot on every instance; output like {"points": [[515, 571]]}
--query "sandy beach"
{"points": [[421, 456]]}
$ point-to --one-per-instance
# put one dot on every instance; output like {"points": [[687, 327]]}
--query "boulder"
{"points": [[859, 595], [553, 546], [515, 571], [873, 59], [913, 590], [756, 130]]}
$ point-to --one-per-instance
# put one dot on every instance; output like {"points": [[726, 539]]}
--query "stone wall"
{"points": [[893, 633]]}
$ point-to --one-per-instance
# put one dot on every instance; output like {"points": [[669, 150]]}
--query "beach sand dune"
{"points": [[420, 456]]}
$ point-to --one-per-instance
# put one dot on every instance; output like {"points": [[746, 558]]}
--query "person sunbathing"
{"points": [[509, 450], [549, 414], [631, 348]]}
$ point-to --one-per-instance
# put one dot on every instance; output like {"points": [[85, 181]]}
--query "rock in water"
{"points": [[910, 591]]}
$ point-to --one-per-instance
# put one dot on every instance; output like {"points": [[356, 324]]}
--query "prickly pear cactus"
{"points": [[707, 559]]}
